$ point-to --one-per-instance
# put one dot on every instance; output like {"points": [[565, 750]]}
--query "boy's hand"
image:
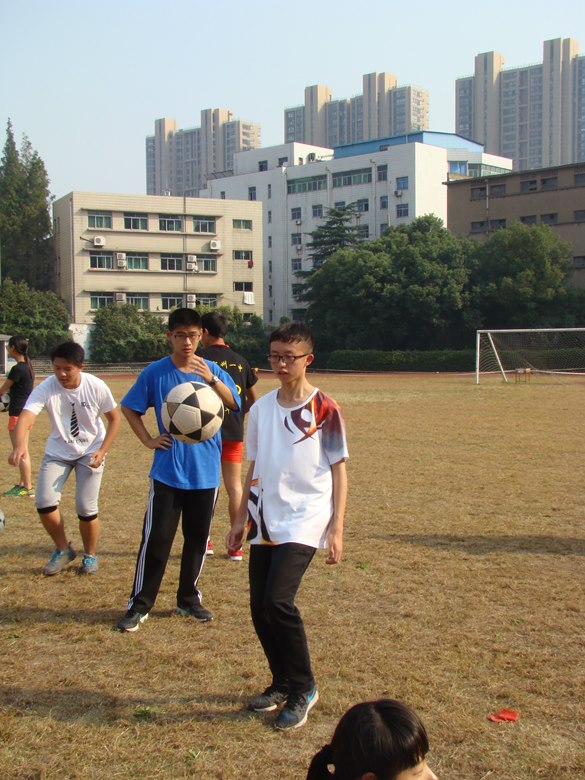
{"points": [[162, 442], [335, 546], [235, 535], [97, 459], [16, 456]]}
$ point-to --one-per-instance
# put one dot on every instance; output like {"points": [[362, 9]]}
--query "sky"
{"points": [[86, 81]]}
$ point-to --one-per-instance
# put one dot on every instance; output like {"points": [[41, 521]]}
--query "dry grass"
{"points": [[462, 591]]}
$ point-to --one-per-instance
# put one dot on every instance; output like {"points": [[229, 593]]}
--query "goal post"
{"points": [[530, 351]]}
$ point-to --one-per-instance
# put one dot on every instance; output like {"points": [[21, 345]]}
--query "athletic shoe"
{"points": [[59, 560], [272, 698], [297, 707], [196, 611], [131, 621], [24, 493], [89, 564], [209, 550], [235, 555], [14, 491]]}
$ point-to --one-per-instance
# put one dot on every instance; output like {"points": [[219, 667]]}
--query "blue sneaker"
{"points": [[59, 560], [295, 711], [89, 564]]}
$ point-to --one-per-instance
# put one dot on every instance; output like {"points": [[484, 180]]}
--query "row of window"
{"points": [[139, 261], [527, 185], [103, 220], [481, 226], [363, 205], [168, 301]]}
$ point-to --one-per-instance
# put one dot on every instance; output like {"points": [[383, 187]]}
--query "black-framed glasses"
{"points": [[286, 359]]}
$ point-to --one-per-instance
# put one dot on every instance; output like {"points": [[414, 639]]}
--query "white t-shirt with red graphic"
{"points": [[291, 498]]}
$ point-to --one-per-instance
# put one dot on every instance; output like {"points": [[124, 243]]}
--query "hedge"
{"points": [[376, 360]]}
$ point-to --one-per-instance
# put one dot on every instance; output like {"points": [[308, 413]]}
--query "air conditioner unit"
{"points": [[120, 260], [299, 249], [120, 297], [99, 241], [215, 244], [311, 157], [192, 266], [299, 222], [120, 255], [192, 299]]}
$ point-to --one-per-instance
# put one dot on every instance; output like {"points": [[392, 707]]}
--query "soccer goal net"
{"points": [[522, 353]]}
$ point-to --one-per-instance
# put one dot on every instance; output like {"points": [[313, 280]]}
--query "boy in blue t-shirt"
{"points": [[184, 478]]}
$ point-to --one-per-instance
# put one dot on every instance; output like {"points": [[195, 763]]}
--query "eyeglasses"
{"points": [[192, 337], [286, 359]]}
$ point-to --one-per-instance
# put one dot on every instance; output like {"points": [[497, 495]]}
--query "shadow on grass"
{"points": [[74, 704], [484, 545]]}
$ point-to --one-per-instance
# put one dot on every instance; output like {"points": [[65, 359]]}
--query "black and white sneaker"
{"points": [[294, 714], [196, 611], [269, 700], [131, 621]]}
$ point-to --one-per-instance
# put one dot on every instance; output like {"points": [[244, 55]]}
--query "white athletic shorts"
{"points": [[53, 475]]}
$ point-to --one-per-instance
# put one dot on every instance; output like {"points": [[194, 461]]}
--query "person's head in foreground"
{"points": [[375, 740]]}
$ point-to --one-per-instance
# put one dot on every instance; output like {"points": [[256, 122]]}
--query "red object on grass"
{"points": [[504, 716]]}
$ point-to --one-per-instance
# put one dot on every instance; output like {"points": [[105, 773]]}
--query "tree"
{"points": [[124, 334], [339, 231], [520, 278], [25, 222], [41, 316], [401, 291], [245, 335]]}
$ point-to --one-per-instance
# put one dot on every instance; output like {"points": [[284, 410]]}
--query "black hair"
{"points": [[179, 317], [20, 344], [215, 323], [69, 351], [291, 332], [384, 737]]}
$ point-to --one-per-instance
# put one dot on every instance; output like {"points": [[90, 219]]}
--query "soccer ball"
{"points": [[4, 401], [192, 412]]}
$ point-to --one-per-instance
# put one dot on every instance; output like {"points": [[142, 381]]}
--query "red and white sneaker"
{"points": [[235, 555], [209, 550]]}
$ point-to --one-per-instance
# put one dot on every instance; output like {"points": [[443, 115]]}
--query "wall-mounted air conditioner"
{"points": [[99, 241], [120, 297], [215, 244], [121, 259], [191, 264], [191, 300]]}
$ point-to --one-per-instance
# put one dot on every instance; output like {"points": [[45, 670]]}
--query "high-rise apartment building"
{"points": [[534, 114], [384, 109], [178, 162]]}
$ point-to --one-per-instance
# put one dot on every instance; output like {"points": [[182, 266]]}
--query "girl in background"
{"points": [[19, 383]]}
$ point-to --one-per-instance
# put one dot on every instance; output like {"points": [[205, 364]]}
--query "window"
{"points": [[269, 217], [402, 183], [171, 262], [497, 224], [296, 239], [204, 225], [270, 266], [295, 213], [100, 220], [383, 201], [549, 183], [269, 191], [243, 254], [549, 219], [306, 184], [222, 195], [172, 301], [297, 290], [207, 300], [140, 300], [136, 261], [478, 193], [263, 165], [269, 242], [383, 228], [242, 224], [349, 178], [402, 210], [363, 205], [317, 211], [580, 215], [340, 204], [101, 300], [479, 227], [135, 221], [530, 219], [207, 264], [101, 260], [251, 193], [528, 185], [497, 190], [296, 264], [579, 261], [363, 232], [243, 286], [169, 222], [382, 173], [579, 179], [270, 291], [282, 161]]}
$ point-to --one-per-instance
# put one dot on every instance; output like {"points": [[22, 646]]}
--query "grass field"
{"points": [[462, 591]]}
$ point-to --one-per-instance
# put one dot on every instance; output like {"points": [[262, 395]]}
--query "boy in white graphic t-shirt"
{"points": [[78, 442], [294, 502]]}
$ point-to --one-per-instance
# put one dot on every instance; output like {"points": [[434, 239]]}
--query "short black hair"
{"points": [[69, 351], [291, 332], [216, 323], [179, 317]]}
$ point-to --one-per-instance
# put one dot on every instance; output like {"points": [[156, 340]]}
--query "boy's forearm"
{"points": [[339, 476]]}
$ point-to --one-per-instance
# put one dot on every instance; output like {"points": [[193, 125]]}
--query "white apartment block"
{"points": [[534, 114], [179, 161], [157, 253], [384, 109], [391, 180]]}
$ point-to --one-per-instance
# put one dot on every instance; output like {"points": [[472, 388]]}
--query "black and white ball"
{"points": [[192, 412], [4, 401]]}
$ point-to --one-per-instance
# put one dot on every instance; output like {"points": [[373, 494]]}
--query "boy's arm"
{"points": [[199, 366], [335, 531], [25, 422], [113, 426], [236, 532], [161, 442]]}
